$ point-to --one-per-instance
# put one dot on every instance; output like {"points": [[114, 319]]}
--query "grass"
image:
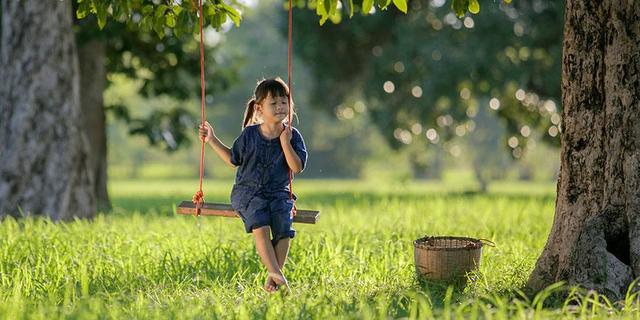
{"points": [[142, 261]]}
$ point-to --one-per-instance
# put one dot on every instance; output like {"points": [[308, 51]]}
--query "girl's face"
{"points": [[274, 109]]}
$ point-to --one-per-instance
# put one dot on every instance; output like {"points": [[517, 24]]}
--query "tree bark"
{"points": [[44, 166], [91, 56], [595, 237]]}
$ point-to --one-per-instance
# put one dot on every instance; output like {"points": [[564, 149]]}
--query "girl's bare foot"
{"points": [[279, 280], [270, 285]]}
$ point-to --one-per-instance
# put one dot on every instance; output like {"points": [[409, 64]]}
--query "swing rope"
{"points": [[289, 79], [198, 197]]}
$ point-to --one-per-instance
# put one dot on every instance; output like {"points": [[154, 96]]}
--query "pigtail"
{"points": [[249, 113]]}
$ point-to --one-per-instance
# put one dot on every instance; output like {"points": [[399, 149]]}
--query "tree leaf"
{"points": [[349, 6], [160, 10], [158, 27], [459, 7], [147, 10], [176, 10], [84, 8], [327, 6], [383, 4], [170, 21], [322, 11], [323, 19], [366, 6], [101, 13], [319, 9], [221, 18], [474, 6], [401, 5], [183, 23], [232, 13]]}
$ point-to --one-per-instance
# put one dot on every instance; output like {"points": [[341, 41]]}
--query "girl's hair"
{"points": [[276, 87]]}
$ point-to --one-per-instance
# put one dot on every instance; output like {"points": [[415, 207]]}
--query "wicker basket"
{"points": [[447, 258]]}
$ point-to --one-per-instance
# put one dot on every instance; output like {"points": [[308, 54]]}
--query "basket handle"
{"points": [[488, 242]]}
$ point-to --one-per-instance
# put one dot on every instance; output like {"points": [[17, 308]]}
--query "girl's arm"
{"points": [[220, 148], [294, 162]]}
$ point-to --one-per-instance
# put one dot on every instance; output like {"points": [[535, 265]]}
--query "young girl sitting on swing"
{"points": [[265, 151]]}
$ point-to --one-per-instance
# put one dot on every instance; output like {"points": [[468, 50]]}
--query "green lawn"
{"points": [[142, 261]]}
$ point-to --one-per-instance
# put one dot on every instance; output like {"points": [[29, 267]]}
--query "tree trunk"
{"points": [[595, 237], [44, 165], [91, 56]]}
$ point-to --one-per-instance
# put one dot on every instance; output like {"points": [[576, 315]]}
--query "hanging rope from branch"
{"points": [[198, 197]]}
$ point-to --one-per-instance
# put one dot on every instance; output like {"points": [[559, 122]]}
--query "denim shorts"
{"points": [[275, 213]]}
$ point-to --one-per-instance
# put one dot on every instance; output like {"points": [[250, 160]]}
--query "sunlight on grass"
{"points": [[142, 261]]}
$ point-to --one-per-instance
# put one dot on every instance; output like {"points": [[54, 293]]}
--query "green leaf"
{"points": [[507, 1], [319, 9], [160, 10], [327, 6], [158, 27], [170, 21], [474, 6], [383, 4], [147, 10], [232, 13], [209, 10], [84, 8], [459, 7], [348, 4], [334, 7], [183, 23], [401, 5], [159, 20], [146, 23], [176, 10], [366, 6], [119, 11], [322, 11], [101, 13], [219, 19], [323, 19]]}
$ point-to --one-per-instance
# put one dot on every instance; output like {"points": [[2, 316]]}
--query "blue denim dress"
{"points": [[261, 191]]}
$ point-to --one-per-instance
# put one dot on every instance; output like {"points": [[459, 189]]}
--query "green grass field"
{"points": [[142, 261]]}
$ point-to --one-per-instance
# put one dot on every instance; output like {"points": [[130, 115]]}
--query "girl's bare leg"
{"points": [[267, 255], [282, 250]]}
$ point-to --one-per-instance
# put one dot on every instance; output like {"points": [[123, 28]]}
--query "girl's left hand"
{"points": [[286, 135]]}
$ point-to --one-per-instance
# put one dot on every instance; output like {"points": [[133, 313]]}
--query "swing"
{"points": [[197, 206]]}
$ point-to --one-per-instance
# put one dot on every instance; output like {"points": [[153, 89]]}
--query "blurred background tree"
{"points": [[334, 88], [167, 66], [465, 89], [429, 77]]}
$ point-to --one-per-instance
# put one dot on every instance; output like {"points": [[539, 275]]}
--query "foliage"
{"points": [[430, 70], [158, 16], [181, 16], [168, 66], [133, 52]]}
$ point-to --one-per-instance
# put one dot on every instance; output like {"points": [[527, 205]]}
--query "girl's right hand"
{"points": [[206, 132]]}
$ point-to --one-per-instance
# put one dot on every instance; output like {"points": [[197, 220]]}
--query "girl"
{"points": [[265, 151]]}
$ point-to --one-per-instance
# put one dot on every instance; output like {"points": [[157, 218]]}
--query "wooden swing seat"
{"points": [[225, 210]]}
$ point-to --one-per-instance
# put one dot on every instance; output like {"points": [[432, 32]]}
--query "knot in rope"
{"points": [[198, 200]]}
